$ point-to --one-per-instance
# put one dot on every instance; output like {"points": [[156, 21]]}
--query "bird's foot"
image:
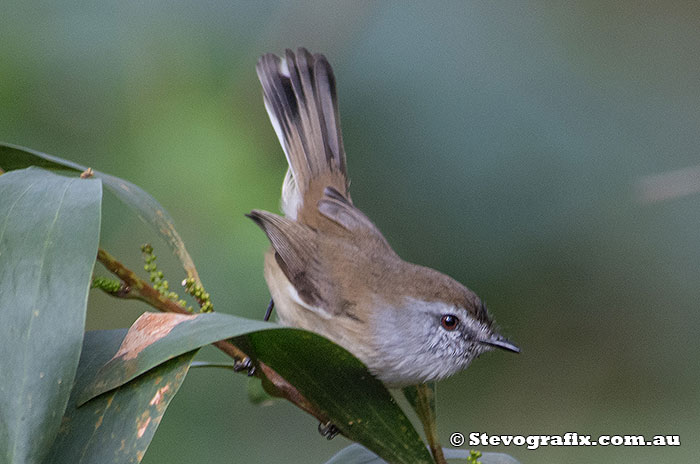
{"points": [[244, 364], [328, 430]]}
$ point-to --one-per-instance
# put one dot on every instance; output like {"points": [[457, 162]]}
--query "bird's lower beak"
{"points": [[500, 342]]}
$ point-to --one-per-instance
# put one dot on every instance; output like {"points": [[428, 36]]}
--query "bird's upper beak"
{"points": [[501, 342]]}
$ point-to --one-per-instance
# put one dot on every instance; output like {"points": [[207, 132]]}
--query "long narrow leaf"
{"points": [[49, 229]]}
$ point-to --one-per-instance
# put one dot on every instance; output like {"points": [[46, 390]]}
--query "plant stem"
{"points": [[135, 287], [422, 398], [202, 364]]}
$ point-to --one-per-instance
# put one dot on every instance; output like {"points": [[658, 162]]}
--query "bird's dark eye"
{"points": [[449, 322]]}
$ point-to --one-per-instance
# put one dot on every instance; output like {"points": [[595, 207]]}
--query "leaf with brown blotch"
{"points": [[148, 329], [327, 376], [118, 426], [157, 337]]}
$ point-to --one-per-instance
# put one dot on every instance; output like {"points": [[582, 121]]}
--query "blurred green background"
{"points": [[501, 142]]}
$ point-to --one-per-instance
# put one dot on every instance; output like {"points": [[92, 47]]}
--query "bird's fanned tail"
{"points": [[300, 98]]}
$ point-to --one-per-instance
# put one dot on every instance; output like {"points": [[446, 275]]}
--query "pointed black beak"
{"points": [[500, 342]]}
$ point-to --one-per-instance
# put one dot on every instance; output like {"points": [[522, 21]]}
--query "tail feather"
{"points": [[300, 98]]}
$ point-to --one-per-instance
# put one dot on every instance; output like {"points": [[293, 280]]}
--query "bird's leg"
{"points": [[244, 364], [328, 430], [270, 307]]}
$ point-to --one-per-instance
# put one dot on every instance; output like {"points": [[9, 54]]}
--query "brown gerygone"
{"points": [[331, 271]]}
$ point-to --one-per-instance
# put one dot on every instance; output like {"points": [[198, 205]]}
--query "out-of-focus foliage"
{"points": [[499, 142]]}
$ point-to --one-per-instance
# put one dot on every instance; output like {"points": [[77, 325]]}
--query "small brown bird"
{"points": [[331, 271]]}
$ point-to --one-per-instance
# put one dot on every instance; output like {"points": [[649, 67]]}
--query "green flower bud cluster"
{"points": [[474, 457], [157, 279], [198, 294]]}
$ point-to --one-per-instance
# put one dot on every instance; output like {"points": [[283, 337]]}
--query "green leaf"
{"points": [[49, 230], [334, 380], [157, 337], [358, 454], [328, 376], [146, 207], [116, 427]]}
